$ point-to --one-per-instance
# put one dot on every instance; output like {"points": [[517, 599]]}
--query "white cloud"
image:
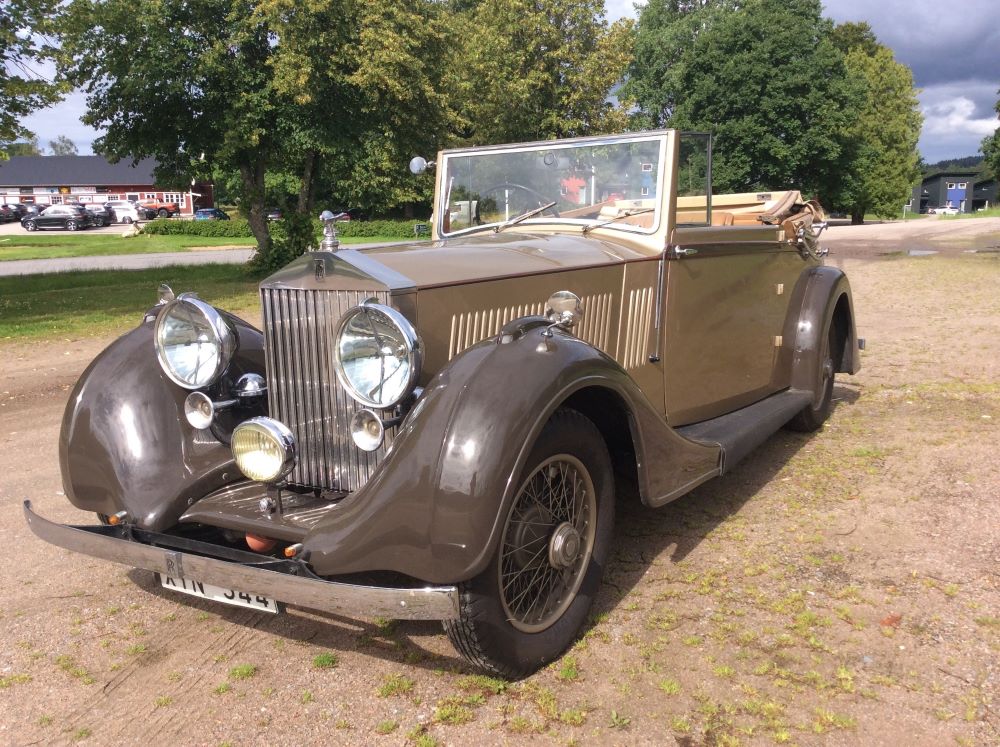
{"points": [[955, 117]]}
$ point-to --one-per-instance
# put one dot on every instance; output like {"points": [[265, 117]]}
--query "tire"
{"points": [[811, 417], [127, 220], [30, 226], [71, 225], [163, 213], [501, 628]]}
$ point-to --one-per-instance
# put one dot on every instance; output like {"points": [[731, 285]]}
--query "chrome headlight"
{"points": [[378, 355], [194, 343], [264, 449]]}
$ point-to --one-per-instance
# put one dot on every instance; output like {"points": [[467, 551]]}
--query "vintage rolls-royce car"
{"points": [[439, 430]]}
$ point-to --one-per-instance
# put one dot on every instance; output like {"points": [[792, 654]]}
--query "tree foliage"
{"points": [[63, 146], [991, 149], [24, 47], [885, 131], [539, 69], [27, 147], [763, 76]]}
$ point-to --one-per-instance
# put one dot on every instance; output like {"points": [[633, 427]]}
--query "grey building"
{"points": [[953, 188]]}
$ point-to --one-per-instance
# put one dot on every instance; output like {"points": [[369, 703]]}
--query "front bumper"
{"points": [[287, 581]]}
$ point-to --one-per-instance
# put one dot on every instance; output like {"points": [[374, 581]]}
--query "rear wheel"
{"points": [[529, 603], [813, 415], [127, 220]]}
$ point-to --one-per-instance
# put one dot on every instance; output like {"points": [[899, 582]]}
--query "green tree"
{"points": [[63, 146], [27, 147], [24, 46], [850, 35], [257, 87], [991, 149], [538, 69], [885, 132], [764, 77]]}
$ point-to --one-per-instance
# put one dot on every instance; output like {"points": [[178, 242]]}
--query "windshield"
{"points": [[588, 182]]}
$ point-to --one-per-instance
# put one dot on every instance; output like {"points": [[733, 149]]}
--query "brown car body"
{"points": [[696, 343]]}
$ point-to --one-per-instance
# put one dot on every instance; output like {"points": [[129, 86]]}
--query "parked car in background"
{"points": [[161, 208], [100, 215], [19, 208], [7, 214], [129, 211], [946, 210], [32, 209], [210, 214], [67, 217], [273, 214]]}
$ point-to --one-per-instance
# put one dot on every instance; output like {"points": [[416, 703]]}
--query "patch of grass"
{"points": [[97, 302], [453, 713], [325, 660], [418, 736], [68, 664], [163, 701], [45, 720], [619, 720], [222, 688], [573, 716], [14, 679], [135, 649], [669, 686], [53, 244], [307, 697], [826, 720], [568, 670], [243, 671], [386, 727], [82, 733], [483, 683], [395, 684]]}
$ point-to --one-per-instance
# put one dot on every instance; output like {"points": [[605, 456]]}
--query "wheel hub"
{"points": [[565, 545]]}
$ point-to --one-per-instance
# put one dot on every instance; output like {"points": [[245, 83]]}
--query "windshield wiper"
{"points": [[523, 216], [626, 214]]}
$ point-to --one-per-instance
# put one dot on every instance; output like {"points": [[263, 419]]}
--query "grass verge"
{"points": [[75, 304], [51, 245]]}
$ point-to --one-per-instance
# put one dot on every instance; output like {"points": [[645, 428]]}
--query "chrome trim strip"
{"points": [[353, 600]]}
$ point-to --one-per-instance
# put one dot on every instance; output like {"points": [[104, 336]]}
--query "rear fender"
{"points": [[823, 299], [125, 443], [434, 507]]}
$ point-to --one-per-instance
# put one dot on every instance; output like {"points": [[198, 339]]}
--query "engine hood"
{"points": [[491, 256]]}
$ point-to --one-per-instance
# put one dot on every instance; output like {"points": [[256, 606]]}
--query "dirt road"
{"points": [[839, 588]]}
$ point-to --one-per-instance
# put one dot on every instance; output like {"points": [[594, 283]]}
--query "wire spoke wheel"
{"points": [[547, 543]]}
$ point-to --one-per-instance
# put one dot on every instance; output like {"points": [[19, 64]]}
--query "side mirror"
{"points": [[419, 164]]}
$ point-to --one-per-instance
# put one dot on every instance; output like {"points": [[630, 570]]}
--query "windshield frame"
{"points": [[442, 193]]}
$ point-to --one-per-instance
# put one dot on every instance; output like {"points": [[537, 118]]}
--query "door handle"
{"points": [[679, 252]]}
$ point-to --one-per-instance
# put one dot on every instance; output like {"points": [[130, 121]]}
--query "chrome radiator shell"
{"points": [[303, 390]]}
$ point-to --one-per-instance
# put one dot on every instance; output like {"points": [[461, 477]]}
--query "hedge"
{"points": [[239, 228]]}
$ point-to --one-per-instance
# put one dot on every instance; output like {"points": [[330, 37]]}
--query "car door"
{"points": [[727, 291], [51, 217]]}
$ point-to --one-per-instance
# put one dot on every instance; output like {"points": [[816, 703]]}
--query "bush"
{"points": [[237, 229], [240, 229]]}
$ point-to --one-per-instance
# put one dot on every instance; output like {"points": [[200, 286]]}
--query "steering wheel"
{"points": [[542, 199]]}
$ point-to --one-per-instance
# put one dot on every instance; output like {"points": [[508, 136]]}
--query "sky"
{"points": [[953, 49]]}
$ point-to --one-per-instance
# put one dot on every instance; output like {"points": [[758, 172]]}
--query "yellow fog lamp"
{"points": [[264, 449]]}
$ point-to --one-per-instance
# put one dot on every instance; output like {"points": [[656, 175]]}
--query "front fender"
{"points": [[434, 507], [125, 443]]}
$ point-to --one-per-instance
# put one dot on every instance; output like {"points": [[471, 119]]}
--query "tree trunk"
{"points": [[253, 191], [857, 217], [307, 189]]}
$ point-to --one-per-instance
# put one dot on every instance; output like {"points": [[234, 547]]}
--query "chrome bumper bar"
{"points": [[284, 580]]}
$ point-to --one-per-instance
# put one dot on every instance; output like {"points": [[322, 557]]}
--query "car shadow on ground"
{"points": [[642, 536]]}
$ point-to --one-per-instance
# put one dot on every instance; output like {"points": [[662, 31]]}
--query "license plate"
{"points": [[219, 594]]}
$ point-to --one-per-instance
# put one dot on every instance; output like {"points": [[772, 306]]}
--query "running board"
{"points": [[740, 432]]}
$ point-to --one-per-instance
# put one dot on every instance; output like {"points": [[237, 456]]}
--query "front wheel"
{"points": [[71, 225], [30, 226], [529, 603], [127, 220], [163, 213]]}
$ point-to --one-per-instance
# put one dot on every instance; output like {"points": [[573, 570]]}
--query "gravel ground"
{"points": [[836, 588]]}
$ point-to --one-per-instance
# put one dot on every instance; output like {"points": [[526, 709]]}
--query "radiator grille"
{"points": [[303, 390]]}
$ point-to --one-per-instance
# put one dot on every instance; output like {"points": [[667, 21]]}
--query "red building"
{"points": [[53, 180]]}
